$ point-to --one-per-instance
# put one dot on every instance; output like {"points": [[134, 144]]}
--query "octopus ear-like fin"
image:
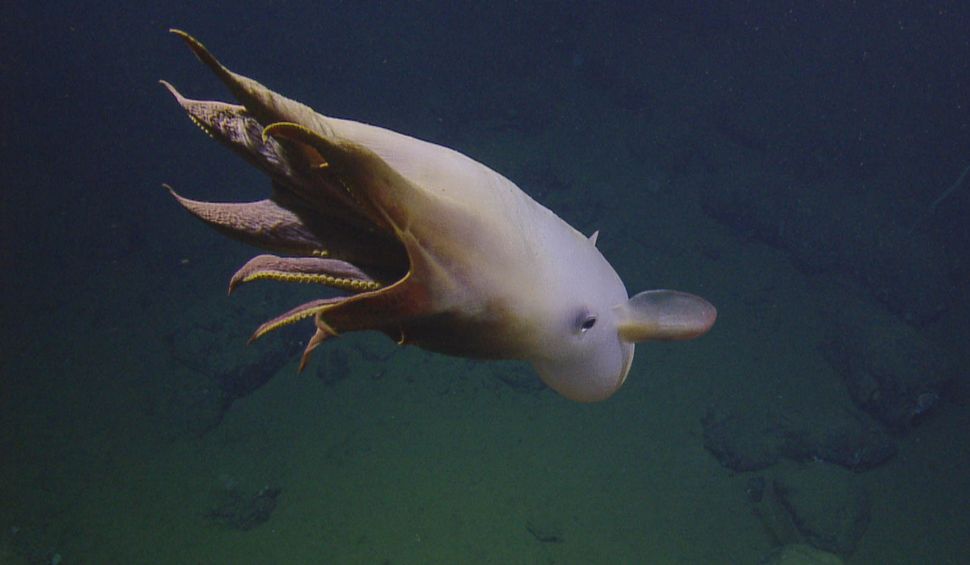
{"points": [[664, 315]]}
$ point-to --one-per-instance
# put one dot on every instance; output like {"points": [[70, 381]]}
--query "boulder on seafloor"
{"points": [[843, 437], [800, 554], [742, 441], [756, 439], [836, 229], [891, 370], [218, 370], [827, 506], [241, 510]]}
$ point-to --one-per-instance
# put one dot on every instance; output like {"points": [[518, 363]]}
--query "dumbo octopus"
{"points": [[431, 247]]}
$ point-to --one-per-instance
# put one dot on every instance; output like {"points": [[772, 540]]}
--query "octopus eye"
{"points": [[588, 323]]}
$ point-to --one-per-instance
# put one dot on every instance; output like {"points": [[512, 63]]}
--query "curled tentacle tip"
{"points": [[172, 90], [281, 129], [268, 131], [184, 35], [260, 331]]}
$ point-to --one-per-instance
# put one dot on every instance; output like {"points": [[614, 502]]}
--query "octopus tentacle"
{"points": [[329, 272], [323, 333], [295, 168], [336, 205], [301, 312], [329, 165], [263, 223], [276, 224]]}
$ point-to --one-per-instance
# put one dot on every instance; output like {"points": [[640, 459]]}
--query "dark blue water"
{"points": [[802, 166]]}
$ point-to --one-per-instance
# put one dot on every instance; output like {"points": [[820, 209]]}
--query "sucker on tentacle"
{"points": [[328, 272], [301, 312]]}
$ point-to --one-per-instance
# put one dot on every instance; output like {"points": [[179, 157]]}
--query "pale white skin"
{"points": [[504, 247], [499, 275]]}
